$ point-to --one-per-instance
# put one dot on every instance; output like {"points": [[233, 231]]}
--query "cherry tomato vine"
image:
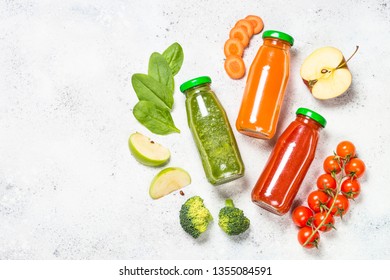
{"points": [[336, 187]]}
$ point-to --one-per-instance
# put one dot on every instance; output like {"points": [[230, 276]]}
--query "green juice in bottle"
{"points": [[212, 132]]}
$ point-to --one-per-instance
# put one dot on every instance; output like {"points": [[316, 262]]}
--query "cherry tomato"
{"points": [[327, 225], [301, 216], [332, 165], [350, 188], [346, 149], [340, 207], [304, 234], [317, 200], [326, 182], [355, 168]]}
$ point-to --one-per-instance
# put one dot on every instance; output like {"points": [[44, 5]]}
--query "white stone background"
{"points": [[69, 188]]}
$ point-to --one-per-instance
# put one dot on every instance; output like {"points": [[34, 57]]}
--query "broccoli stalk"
{"points": [[194, 216], [232, 220], [229, 203]]}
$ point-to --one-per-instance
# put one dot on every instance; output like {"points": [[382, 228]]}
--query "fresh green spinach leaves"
{"points": [[158, 120], [174, 56], [155, 90], [159, 70], [149, 89]]}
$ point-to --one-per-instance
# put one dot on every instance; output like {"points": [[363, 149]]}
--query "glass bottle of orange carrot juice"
{"points": [[265, 86]]}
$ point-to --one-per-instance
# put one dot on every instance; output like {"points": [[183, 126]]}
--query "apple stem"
{"points": [[345, 62]]}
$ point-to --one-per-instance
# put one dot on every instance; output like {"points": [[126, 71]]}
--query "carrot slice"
{"points": [[233, 46], [239, 32], [235, 67], [257, 23], [247, 25]]}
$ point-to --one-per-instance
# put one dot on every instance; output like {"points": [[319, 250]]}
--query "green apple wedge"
{"points": [[147, 151], [168, 180]]}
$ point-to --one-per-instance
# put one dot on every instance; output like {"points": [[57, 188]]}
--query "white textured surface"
{"points": [[69, 188]]}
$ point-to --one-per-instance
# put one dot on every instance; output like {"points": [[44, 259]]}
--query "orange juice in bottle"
{"points": [[265, 86]]}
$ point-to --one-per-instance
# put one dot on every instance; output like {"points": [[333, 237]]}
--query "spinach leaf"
{"points": [[160, 71], [158, 120], [149, 89], [174, 56]]}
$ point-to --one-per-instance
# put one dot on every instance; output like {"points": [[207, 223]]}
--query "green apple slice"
{"points": [[168, 180], [147, 151]]}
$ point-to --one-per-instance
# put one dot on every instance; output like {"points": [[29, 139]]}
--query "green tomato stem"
{"points": [[338, 188]]}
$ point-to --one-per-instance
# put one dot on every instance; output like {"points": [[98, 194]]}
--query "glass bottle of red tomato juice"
{"points": [[288, 163]]}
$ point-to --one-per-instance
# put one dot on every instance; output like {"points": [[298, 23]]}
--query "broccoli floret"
{"points": [[194, 216], [232, 220]]}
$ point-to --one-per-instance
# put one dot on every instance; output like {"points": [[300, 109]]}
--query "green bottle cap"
{"points": [[195, 82], [278, 35], [313, 115]]}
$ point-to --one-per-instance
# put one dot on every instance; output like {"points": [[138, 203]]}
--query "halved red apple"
{"points": [[325, 73]]}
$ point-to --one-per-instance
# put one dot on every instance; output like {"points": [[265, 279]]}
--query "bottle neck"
{"points": [[276, 43], [309, 121], [200, 88]]}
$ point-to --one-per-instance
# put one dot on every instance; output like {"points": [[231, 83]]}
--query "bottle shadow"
{"points": [[229, 190]]}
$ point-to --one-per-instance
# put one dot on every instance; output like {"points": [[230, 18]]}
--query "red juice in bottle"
{"points": [[288, 163]]}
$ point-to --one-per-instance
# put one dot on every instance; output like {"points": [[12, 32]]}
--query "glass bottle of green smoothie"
{"points": [[212, 132]]}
